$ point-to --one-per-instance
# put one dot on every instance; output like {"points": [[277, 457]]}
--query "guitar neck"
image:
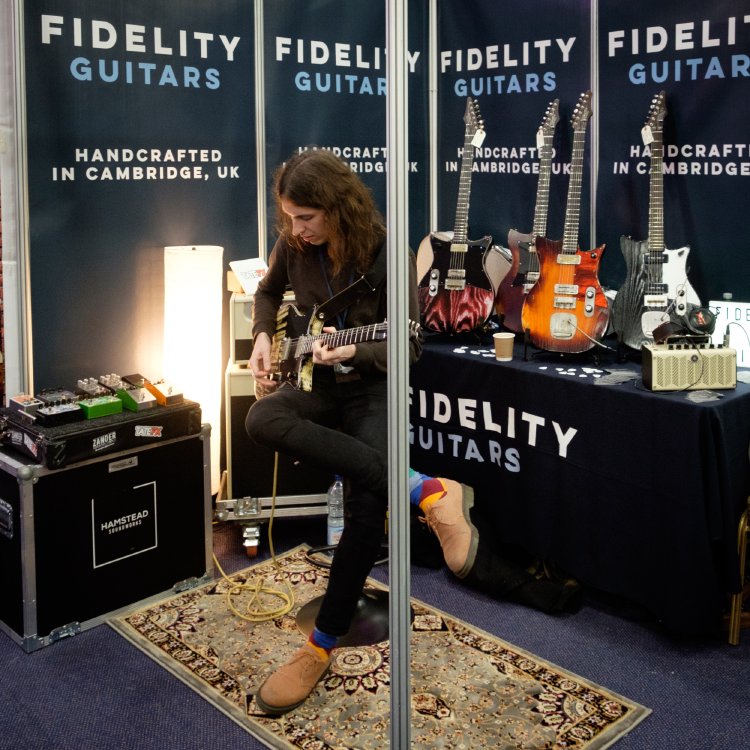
{"points": [[304, 344], [460, 227], [656, 196], [573, 210], [541, 209]]}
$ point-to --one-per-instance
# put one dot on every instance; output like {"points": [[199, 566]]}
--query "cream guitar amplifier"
{"points": [[688, 367]]}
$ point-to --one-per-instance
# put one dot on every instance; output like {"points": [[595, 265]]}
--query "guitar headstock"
{"points": [[474, 122], [657, 111], [551, 118], [651, 131], [582, 111]]}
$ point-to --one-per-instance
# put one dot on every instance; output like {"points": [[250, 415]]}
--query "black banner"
{"points": [[697, 53], [325, 78], [514, 60], [140, 135]]}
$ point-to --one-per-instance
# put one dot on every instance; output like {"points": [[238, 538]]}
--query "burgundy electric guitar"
{"points": [[524, 270], [566, 310], [458, 282], [656, 287]]}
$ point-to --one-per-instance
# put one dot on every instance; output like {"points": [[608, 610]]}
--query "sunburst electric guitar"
{"points": [[656, 286], [566, 310], [524, 270], [459, 278]]}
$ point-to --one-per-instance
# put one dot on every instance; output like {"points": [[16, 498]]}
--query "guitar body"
{"points": [[456, 294], [522, 275], [566, 310], [641, 304]]}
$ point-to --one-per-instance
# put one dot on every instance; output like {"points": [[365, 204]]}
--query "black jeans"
{"points": [[342, 428]]}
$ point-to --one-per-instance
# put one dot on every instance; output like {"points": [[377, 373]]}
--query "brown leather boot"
{"points": [[289, 686], [449, 519]]}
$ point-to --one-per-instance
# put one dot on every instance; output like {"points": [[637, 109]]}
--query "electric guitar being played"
{"points": [[459, 278], [566, 310], [656, 286], [290, 356], [524, 270]]}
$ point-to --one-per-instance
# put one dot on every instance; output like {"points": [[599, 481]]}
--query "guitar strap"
{"points": [[365, 284]]}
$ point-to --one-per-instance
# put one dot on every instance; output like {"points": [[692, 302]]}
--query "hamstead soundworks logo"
{"points": [[124, 522], [102, 442]]}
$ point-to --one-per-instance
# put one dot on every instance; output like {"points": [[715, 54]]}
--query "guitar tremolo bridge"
{"points": [[563, 325]]}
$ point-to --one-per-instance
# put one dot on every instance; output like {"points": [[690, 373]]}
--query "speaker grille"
{"points": [[667, 369]]}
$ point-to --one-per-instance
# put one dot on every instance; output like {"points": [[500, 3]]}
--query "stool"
{"points": [[370, 623], [735, 612]]}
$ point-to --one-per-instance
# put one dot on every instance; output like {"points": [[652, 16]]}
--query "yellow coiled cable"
{"points": [[256, 609]]}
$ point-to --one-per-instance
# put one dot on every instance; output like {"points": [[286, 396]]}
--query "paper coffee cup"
{"points": [[503, 346]]}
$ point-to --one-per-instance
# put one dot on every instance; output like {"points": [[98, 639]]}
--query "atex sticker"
{"points": [[148, 431]]}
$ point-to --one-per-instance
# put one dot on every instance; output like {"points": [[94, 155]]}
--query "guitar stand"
{"points": [[591, 355], [526, 339]]}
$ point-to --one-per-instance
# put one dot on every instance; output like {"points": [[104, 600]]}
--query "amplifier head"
{"points": [[686, 367]]}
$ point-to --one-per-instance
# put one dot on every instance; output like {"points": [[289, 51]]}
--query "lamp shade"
{"points": [[193, 302]]}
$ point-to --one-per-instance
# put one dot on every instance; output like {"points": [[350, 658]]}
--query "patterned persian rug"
{"points": [[470, 689]]}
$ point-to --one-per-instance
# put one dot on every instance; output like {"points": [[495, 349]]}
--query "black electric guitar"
{"points": [[524, 270], [566, 310], [656, 287], [457, 281], [290, 356]]}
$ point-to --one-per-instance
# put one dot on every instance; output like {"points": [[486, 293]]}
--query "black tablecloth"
{"points": [[633, 492]]}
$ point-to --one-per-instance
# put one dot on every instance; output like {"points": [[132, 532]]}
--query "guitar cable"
{"points": [[591, 338], [257, 609]]}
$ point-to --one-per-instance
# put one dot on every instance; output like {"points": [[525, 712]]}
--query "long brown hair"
{"points": [[317, 178]]}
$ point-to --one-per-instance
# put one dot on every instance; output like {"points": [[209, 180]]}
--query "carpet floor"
{"points": [[469, 689]]}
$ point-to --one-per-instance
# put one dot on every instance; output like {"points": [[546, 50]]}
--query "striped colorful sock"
{"points": [[322, 642], [424, 490]]}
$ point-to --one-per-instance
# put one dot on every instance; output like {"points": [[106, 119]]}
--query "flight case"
{"points": [[94, 538]]}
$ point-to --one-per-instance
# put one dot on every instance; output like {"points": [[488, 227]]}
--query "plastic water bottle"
{"points": [[335, 510]]}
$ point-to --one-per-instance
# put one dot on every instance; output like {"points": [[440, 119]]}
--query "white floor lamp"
{"points": [[193, 277]]}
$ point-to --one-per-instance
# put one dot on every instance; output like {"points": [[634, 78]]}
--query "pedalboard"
{"points": [[688, 366], [93, 398]]}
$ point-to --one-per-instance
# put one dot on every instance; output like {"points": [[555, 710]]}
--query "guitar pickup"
{"points": [[655, 300], [566, 289], [652, 259], [460, 247], [564, 303], [455, 285], [285, 348], [568, 259], [455, 280]]}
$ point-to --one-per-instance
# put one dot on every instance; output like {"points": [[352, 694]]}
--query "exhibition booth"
{"points": [[573, 174]]}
